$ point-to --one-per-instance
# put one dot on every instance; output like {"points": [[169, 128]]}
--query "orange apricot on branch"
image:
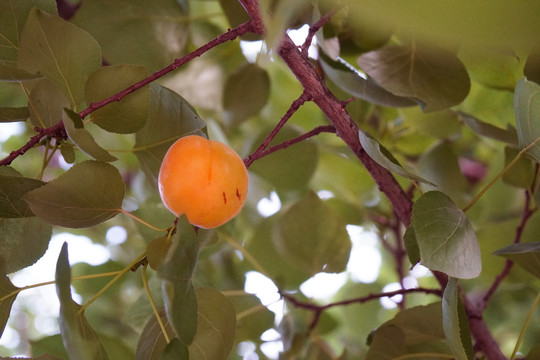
{"points": [[204, 179]]}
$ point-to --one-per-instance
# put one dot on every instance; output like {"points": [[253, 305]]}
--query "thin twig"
{"points": [[313, 30]]}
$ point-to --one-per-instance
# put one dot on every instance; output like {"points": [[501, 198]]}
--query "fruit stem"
{"points": [[153, 304], [141, 220]]}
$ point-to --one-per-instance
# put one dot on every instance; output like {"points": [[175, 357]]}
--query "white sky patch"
{"points": [[11, 128], [265, 289], [116, 235], [325, 194], [270, 205], [365, 260], [323, 285]]}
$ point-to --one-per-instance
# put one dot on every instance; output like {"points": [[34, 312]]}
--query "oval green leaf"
{"points": [[526, 255], [527, 109], [87, 194], [445, 237], [12, 188], [46, 103]]}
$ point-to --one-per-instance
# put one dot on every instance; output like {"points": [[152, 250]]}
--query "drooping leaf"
{"points": [[433, 77], [23, 241], [445, 237], [46, 103], [526, 255], [527, 109], [176, 273], [13, 15], [384, 158], [161, 30], [12, 114], [129, 114], [455, 325], [170, 117], [521, 174], [485, 129], [313, 237], [85, 141], [12, 188], [217, 326], [87, 194], [246, 92], [80, 340], [348, 80], [58, 49], [8, 295]]}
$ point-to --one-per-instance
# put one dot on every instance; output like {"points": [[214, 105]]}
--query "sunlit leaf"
{"points": [[384, 158], [527, 109], [161, 30], [526, 255], [434, 78], [13, 15], [87, 194], [442, 124], [46, 103], [85, 141], [485, 129], [170, 117], [217, 326], [455, 325], [129, 114], [12, 188], [23, 241], [177, 272], [12, 114], [313, 237], [445, 237], [246, 92], [80, 340], [8, 293], [348, 80], [58, 49]]}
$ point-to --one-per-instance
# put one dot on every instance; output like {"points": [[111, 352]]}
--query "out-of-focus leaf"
{"points": [[217, 326], [161, 30], [87, 194], [485, 129], [46, 103], [157, 250], [348, 80], [445, 237], [50, 345], [526, 255], [170, 117], [10, 73], [58, 49], [532, 66], [13, 15], [521, 174], [85, 141], [246, 92], [12, 188], [313, 237], [253, 318], [384, 158], [23, 242], [439, 124], [236, 14], [527, 109], [80, 340], [177, 272], [67, 152], [455, 325], [7, 297], [417, 330], [129, 114], [12, 114], [411, 245], [434, 78]]}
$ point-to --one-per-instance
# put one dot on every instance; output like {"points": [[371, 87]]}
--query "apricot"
{"points": [[204, 179]]}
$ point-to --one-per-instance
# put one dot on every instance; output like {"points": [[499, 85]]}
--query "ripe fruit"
{"points": [[203, 179]]}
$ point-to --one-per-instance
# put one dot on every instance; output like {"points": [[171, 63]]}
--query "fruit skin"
{"points": [[203, 179]]}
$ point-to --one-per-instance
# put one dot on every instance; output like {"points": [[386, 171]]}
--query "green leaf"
{"points": [[13, 15], [58, 49], [129, 114], [411, 245], [152, 343], [80, 340], [12, 114], [46, 104], [13, 74], [87, 194], [67, 152], [170, 117], [246, 92], [252, 319], [348, 79], [522, 172], [532, 66], [23, 241], [50, 345], [217, 326], [8, 294], [485, 129], [161, 30], [313, 237], [85, 141], [526, 255], [12, 188], [445, 237], [175, 350], [384, 158], [455, 325], [434, 78], [176, 273], [157, 250], [442, 124], [527, 109]]}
